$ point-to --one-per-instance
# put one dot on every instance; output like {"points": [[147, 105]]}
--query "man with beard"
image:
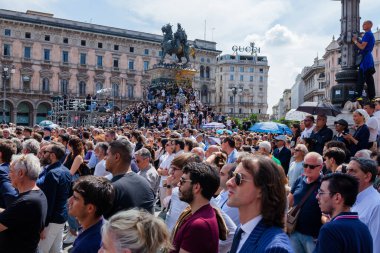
{"points": [[55, 183], [197, 227]]}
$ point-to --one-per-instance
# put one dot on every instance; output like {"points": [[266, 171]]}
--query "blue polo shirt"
{"points": [[345, 233], [89, 240], [368, 58]]}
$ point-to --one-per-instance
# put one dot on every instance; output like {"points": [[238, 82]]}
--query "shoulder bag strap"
{"points": [[299, 206]]}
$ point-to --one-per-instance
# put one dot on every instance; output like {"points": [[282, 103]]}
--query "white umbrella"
{"points": [[296, 115], [216, 125]]}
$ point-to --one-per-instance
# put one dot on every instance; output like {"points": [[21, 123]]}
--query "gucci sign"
{"points": [[249, 49]]}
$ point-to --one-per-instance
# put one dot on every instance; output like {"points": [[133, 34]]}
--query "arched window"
{"points": [[82, 88], [115, 90], [64, 86], [202, 72], [45, 85], [99, 86], [207, 72], [130, 91]]}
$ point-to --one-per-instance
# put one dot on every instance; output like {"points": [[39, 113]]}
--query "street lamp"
{"points": [[235, 91], [6, 75]]}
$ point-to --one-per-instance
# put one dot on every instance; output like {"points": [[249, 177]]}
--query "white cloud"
{"points": [[288, 52]]}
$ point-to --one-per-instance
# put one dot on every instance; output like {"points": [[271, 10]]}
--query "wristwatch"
{"points": [[168, 186]]}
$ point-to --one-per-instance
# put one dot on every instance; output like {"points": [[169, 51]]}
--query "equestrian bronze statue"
{"points": [[176, 44]]}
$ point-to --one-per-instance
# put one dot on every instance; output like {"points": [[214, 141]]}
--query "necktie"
{"points": [[235, 243]]}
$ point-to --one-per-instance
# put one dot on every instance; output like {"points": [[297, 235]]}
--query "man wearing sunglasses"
{"points": [[304, 237], [261, 208]]}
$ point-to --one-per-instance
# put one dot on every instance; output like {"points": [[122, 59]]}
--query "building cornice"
{"points": [[93, 28]]}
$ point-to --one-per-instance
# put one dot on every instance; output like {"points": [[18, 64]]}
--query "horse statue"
{"points": [[176, 44]]}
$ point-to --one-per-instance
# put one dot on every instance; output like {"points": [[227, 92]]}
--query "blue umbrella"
{"points": [[222, 131], [270, 127]]}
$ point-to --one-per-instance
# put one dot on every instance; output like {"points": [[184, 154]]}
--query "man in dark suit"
{"points": [[261, 208], [282, 153]]}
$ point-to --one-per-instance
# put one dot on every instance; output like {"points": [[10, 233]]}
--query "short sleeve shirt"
{"points": [[25, 219], [309, 219], [199, 233]]}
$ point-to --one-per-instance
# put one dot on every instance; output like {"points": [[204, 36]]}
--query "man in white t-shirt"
{"points": [[373, 126], [309, 126], [377, 116], [101, 152]]}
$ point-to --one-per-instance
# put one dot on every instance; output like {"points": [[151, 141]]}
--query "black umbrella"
{"points": [[319, 108]]}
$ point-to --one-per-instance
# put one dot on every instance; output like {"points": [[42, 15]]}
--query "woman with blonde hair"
{"points": [[134, 231]]}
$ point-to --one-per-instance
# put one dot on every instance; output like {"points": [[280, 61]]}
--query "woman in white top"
{"points": [[163, 169]]}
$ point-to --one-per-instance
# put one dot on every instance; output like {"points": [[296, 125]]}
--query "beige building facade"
{"points": [[56, 57], [315, 81], [242, 85]]}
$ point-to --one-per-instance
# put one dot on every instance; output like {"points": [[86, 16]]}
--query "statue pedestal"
{"points": [[345, 89], [171, 77]]}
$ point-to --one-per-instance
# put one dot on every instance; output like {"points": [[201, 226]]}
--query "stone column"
{"points": [[347, 77], [13, 116], [34, 117]]}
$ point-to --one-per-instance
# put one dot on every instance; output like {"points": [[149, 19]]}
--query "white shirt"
{"points": [[377, 116], [367, 206], [176, 208], [247, 228], [373, 126], [295, 171], [232, 212], [166, 165], [100, 169], [307, 132]]}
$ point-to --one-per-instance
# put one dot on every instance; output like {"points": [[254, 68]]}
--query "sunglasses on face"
{"points": [[239, 178], [305, 165]]}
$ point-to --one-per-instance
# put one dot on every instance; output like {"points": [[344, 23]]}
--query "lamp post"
{"points": [[6, 75], [347, 76], [235, 91]]}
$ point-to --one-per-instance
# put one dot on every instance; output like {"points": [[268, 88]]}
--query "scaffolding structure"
{"points": [[67, 111]]}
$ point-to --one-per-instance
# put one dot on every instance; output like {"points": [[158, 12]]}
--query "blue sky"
{"points": [[290, 32]]}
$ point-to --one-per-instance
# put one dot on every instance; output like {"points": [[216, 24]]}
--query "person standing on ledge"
{"points": [[367, 66]]}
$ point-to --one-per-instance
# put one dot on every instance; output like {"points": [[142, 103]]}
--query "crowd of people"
{"points": [[162, 109], [161, 189]]}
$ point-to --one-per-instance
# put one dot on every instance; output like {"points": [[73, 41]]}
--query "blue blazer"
{"points": [[284, 156], [264, 239]]}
